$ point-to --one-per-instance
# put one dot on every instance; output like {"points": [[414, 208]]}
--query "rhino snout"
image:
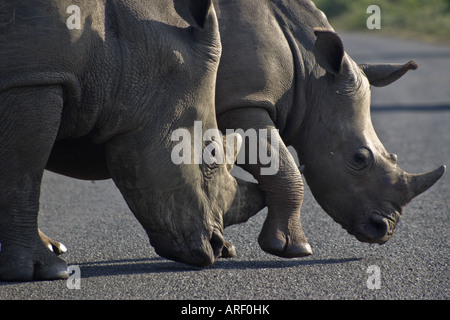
{"points": [[201, 253], [209, 252], [377, 229]]}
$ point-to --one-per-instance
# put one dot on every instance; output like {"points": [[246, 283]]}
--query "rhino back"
{"points": [[256, 66], [39, 36], [120, 49], [36, 42], [266, 57], [37, 48]]}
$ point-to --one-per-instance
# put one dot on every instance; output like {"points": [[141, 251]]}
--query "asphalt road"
{"points": [[412, 119]]}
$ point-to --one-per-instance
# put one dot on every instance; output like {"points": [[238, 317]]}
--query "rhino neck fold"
{"points": [[301, 42]]}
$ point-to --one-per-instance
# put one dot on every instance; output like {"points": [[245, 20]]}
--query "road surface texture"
{"points": [[412, 119]]}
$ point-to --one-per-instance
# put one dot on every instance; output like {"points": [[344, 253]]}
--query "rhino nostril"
{"points": [[378, 227], [199, 258]]}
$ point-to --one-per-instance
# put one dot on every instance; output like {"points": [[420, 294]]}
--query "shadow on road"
{"points": [[434, 54], [160, 265], [413, 108]]}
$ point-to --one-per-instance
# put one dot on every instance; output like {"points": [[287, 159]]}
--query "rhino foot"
{"points": [[282, 248], [56, 247], [286, 242], [228, 250], [28, 264]]}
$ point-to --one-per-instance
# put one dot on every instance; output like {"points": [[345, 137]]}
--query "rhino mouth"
{"points": [[199, 249], [378, 228]]}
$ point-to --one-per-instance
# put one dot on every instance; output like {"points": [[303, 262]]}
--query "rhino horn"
{"points": [[381, 75], [418, 183]]}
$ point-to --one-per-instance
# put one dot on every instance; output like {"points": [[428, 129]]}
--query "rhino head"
{"points": [[184, 206], [350, 173]]}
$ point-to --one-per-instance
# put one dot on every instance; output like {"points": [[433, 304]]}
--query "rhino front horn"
{"points": [[418, 183]]}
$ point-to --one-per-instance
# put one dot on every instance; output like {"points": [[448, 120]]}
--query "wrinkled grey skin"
{"points": [[284, 67], [102, 102]]}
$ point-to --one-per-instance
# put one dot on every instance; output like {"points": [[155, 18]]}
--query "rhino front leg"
{"points": [[29, 122], [248, 201], [282, 234]]}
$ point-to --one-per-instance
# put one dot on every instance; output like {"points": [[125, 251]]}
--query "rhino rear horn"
{"points": [[418, 183], [381, 75]]}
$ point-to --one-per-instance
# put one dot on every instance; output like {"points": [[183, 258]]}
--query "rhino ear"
{"points": [[329, 50], [195, 12], [381, 75]]}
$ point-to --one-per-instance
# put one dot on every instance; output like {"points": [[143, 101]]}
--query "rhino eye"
{"points": [[361, 160]]}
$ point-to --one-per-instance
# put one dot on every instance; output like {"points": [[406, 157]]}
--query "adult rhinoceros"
{"points": [[94, 91], [284, 67]]}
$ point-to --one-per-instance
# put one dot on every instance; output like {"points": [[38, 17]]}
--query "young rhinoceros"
{"points": [[284, 67], [95, 91]]}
